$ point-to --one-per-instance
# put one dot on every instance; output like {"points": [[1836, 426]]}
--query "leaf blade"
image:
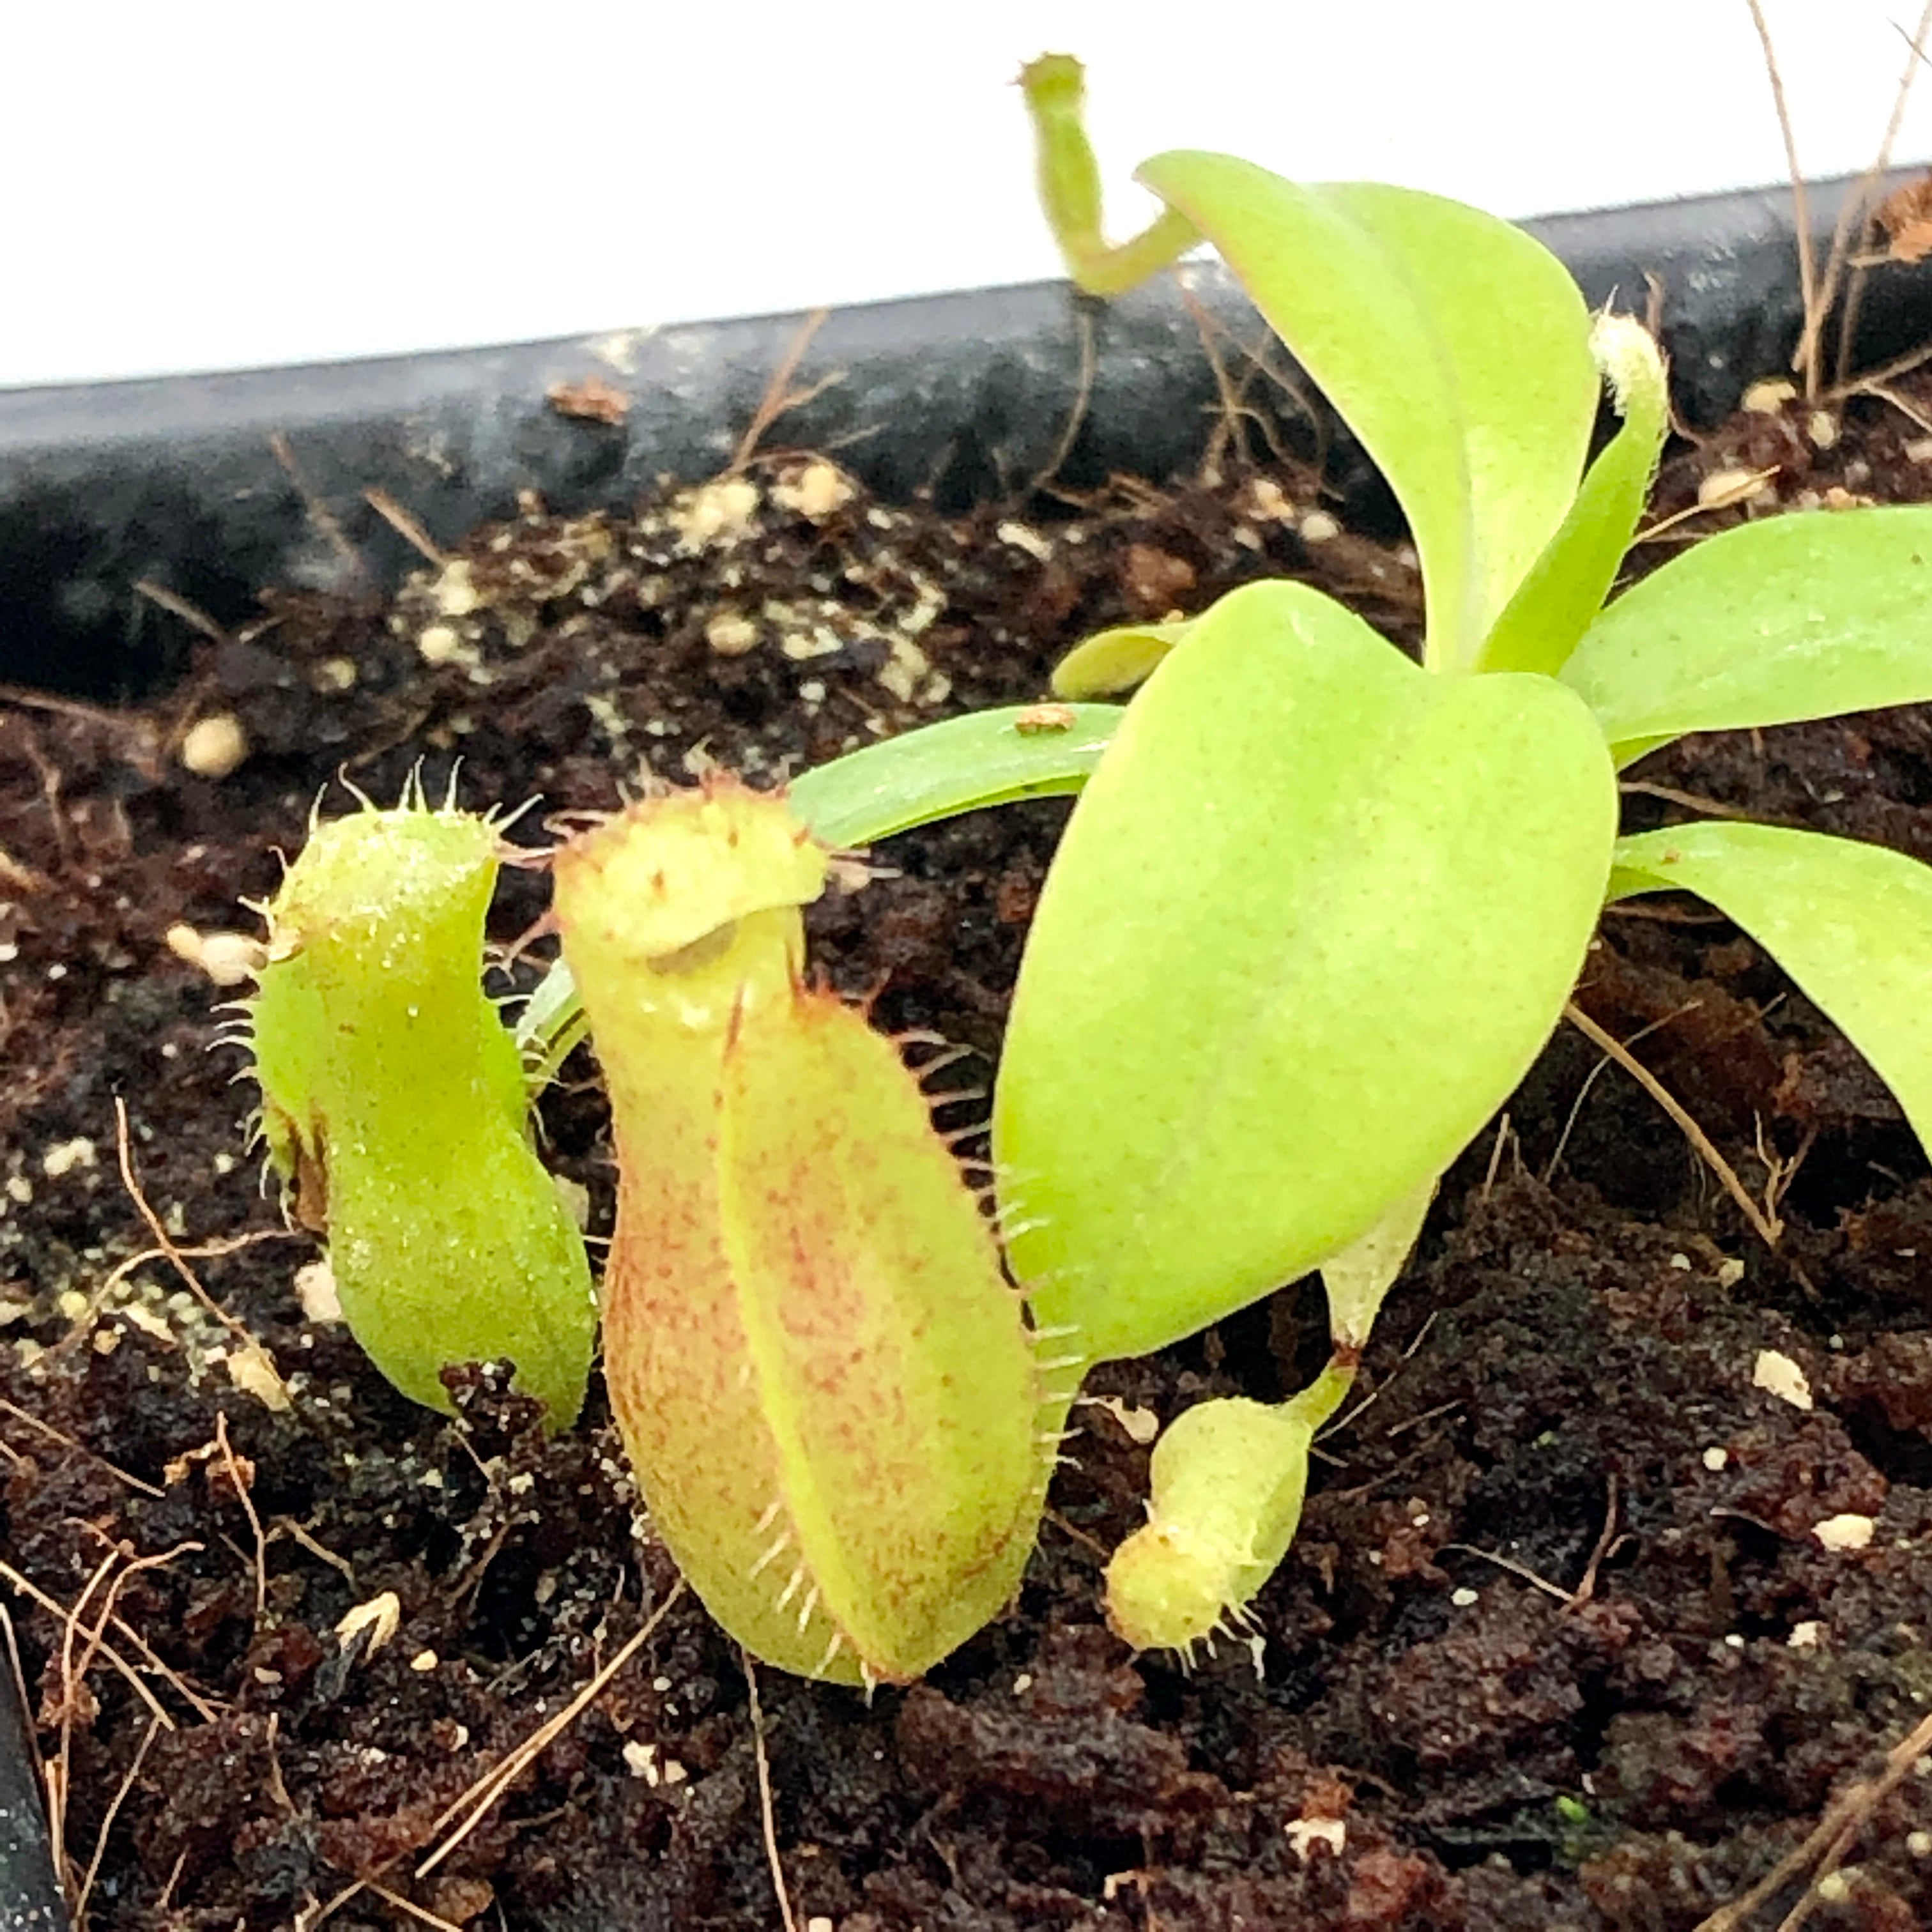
{"points": [[1851, 923], [1390, 298], [961, 764], [1798, 617], [1207, 1006], [1556, 602], [1117, 659]]}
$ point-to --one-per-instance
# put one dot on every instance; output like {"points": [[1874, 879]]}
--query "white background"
{"points": [[203, 184]]}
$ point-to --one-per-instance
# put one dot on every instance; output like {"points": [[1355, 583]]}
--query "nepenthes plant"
{"points": [[841, 1417], [1317, 908]]}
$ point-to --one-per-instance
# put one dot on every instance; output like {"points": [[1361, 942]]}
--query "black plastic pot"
{"points": [[30, 1896], [203, 485], [209, 486]]}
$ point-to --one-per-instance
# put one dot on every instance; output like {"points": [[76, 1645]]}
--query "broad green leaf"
{"points": [[1312, 919], [987, 758], [1852, 924], [1455, 345], [1567, 583], [1111, 661], [1802, 616]]}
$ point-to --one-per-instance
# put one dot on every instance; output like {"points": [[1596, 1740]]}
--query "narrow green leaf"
{"points": [[1567, 583], [1314, 916], [1851, 923], [1455, 345], [1802, 616], [962, 764]]}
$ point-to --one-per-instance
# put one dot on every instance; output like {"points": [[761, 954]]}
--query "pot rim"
{"points": [[207, 485]]}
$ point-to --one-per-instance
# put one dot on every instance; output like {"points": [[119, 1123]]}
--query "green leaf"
{"points": [[963, 764], [1852, 924], [989, 758], [1802, 615], [1567, 583], [1455, 345], [1312, 919], [1111, 661]]}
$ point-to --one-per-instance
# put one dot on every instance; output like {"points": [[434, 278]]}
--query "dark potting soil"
{"points": [[1561, 1643]]}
